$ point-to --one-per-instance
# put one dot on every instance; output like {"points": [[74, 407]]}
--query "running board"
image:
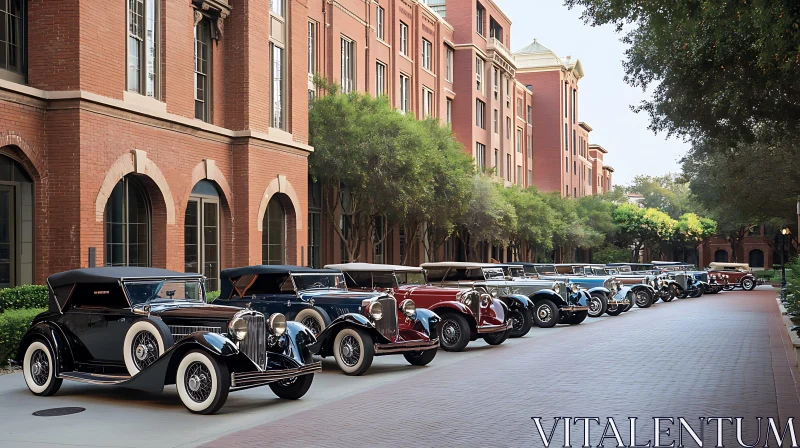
{"points": [[94, 378]]}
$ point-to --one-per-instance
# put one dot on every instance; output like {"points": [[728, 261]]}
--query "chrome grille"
{"points": [[475, 304], [181, 331], [255, 344], [387, 326], [563, 291]]}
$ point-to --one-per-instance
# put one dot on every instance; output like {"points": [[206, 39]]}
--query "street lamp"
{"points": [[784, 232]]}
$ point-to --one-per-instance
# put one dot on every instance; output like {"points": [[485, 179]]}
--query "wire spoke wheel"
{"points": [[544, 312], [350, 350], [40, 367], [451, 332], [517, 320], [144, 349], [198, 382], [312, 324]]}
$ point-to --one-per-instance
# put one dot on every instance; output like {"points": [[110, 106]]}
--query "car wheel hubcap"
{"points": [[595, 305], [198, 382], [517, 320], [450, 333], [40, 367], [545, 313], [641, 298], [145, 349], [350, 351], [312, 325]]}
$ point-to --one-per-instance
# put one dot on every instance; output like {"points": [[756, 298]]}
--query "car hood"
{"points": [[193, 310], [339, 294]]}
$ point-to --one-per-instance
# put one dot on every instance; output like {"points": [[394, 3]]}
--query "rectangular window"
{"points": [[312, 95], [508, 128], [480, 114], [379, 19], [480, 155], [566, 138], [566, 87], [508, 92], [530, 114], [380, 78], [449, 111], [405, 93], [574, 142], [449, 65], [427, 49], [519, 107], [142, 36], [202, 70], [427, 102], [519, 140], [496, 82], [277, 90], [276, 7], [574, 167], [508, 167], [530, 178], [574, 106], [312, 48], [481, 18], [590, 177], [348, 65], [403, 39], [479, 74], [530, 145], [497, 162], [518, 180], [496, 121], [566, 164]]}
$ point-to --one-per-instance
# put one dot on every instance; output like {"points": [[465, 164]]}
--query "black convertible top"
{"points": [[113, 275], [228, 276]]}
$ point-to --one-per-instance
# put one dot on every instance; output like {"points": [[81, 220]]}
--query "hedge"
{"points": [[26, 296], [13, 325], [212, 296]]}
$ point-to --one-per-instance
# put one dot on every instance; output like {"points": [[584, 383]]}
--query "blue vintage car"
{"points": [[607, 296], [691, 282], [353, 327]]}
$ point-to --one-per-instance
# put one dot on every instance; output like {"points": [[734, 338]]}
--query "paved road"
{"points": [[717, 356]]}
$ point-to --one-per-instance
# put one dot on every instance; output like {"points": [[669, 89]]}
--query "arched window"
{"points": [[756, 258], [273, 236], [16, 224], [201, 233], [721, 256], [127, 219]]}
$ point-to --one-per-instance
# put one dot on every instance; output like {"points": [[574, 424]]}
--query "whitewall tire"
{"points": [[203, 382], [353, 351], [312, 319], [38, 367], [143, 346]]}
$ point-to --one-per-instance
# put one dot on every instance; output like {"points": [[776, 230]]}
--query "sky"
{"points": [[605, 98]]}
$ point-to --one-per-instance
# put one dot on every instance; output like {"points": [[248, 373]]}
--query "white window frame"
{"points": [[519, 140], [427, 49], [480, 114], [450, 111], [146, 64], [480, 155], [380, 78], [312, 47], [405, 93], [479, 64], [348, 66], [427, 102], [278, 86], [403, 39], [380, 16], [449, 64]]}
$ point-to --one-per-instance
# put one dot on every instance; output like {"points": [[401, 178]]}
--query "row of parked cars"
{"points": [[145, 328]]}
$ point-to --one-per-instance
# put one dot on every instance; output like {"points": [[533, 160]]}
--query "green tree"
{"points": [[640, 227], [367, 158], [535, 221], [715, 67], [669, 193], [488, 217]]}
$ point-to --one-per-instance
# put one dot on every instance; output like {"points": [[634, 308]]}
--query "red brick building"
{"points": [[169, 133]]}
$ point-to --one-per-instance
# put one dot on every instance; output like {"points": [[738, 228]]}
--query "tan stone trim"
{"points": [[138, 163], [136, 111], [208, 170], [348, 12], [10, 138], [279, 185]]}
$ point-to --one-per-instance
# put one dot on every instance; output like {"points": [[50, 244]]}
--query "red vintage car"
{"points": [[465, 315], [736, 275]]}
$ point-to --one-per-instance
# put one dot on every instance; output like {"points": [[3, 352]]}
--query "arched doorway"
{"points": [[756, 258], [721, 256], [128, 224], [16, 224], [273, 235], [201, 233]]}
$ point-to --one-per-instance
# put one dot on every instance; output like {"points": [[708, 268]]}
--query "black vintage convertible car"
{"points": [[351, 326], [144, 328]]}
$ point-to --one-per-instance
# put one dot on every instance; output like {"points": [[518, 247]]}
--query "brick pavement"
{"points": [[712, 356]]}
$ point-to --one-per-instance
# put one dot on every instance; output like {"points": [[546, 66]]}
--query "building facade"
{"points": [[166, 133]]}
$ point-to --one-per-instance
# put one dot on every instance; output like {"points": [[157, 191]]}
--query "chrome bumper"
{"points": [[405, 347], [574, 308], [246, 380], [494, 328]]}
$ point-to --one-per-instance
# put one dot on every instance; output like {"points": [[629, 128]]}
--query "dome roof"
{"points": [[537, 57]]}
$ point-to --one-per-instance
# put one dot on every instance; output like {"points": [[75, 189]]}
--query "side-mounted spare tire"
{"points": [[145, 342]]}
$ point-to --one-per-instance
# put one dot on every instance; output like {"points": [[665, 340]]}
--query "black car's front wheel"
{"points": [[496, 338], [643, 299], [420, 358], [203, 382], [576, 317], [39, 369], [748, 284], [293, 388], [454, 332], [521, 322], [315, 318], [353, 350], [615, 309], [545, 314], [598, 304]]}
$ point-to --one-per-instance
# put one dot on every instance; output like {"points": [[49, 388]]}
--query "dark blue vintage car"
{"points": [[353, 327]]}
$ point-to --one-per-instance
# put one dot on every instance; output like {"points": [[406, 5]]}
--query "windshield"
{"points": [[516, 272], [410, 278], [318, 281], [149, 291], [490, 273], [546, 269]]}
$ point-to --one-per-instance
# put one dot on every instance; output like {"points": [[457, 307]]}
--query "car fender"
{"points": [[648, 288], [548, 294], [294, 343], [583, 298], [517, 301], [601, 289], [55, 339], [460, 308], [426, 322], [324, 345]]}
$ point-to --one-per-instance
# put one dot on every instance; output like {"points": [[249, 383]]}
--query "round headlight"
{"points": [[376, 310], [555, 286], [237, 328], [277, 323], [494, 293], [409, 307], [574, 288], [486, 299]]}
